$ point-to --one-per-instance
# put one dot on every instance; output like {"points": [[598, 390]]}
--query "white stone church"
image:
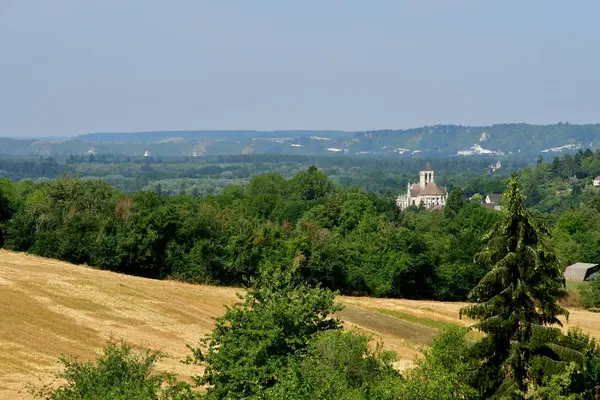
{"points": [[426, 191]]}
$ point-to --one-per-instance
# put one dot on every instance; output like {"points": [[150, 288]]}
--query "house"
{"points": [[597, 181], [426, 191], [492, 201], [581, 271]]}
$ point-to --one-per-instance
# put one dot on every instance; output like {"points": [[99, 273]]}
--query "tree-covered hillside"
{"points": [[440, 140]]}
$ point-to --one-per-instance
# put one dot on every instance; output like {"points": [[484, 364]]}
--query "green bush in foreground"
{"points": [[339, 366], [253, 343], [590, 294], [120, 373]]}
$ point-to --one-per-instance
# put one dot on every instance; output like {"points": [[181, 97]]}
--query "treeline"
{"points": [[201, 176], [342, 238]]}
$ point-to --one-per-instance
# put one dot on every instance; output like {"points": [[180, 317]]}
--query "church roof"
{"points": [[432, 190], [415, 190], [428, 166]]}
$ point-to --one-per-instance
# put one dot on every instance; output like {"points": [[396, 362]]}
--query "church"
{"points": [[426, 191]]}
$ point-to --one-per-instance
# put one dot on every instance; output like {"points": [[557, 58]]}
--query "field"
{"points": [[51, 308]]}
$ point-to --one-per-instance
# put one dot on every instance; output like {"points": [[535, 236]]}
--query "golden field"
{"points": [[51, 308]]}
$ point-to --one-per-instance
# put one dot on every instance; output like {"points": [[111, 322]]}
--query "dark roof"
{"points": [[415, 189], [494, 198], [580, 271], [432, 189], [428, 166]]}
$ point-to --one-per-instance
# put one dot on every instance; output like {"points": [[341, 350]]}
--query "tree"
{"points": [[255, 340], [6, 209], [311, 184], [477, 198], [540, 160], [557, 167], [517, 300], [120, 373], [454, 203]]}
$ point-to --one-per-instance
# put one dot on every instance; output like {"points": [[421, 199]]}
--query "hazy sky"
{"points": [[77, 66]]}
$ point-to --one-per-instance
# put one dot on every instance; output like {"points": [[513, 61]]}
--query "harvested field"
{"points": [[51, 308]]}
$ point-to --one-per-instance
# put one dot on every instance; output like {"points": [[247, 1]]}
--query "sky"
{"points": [[77, 66]]}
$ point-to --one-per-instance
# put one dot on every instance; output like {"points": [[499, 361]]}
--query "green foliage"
{"points": [[445, 370], [338, 365], [555, 387], [121, 373], [343, 239], [590, 294], [256, 339], [517, 299], [454, 202]]}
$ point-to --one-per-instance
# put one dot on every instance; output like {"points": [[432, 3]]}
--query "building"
{"points": [[597, 181], [426, 191], [492, 201], [581, 271]]}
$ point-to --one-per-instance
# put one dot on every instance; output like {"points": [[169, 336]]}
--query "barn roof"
{"points": [[580, 271], [494, 198]]}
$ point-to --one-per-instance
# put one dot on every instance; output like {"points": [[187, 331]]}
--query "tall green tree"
{"points": [[454, 203], [517, 301]]}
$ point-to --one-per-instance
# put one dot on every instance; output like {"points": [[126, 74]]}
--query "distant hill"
{"points": [[501, 140], [225, 135]]}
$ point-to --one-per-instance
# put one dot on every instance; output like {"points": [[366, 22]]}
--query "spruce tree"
{"points": [[516, 302]]}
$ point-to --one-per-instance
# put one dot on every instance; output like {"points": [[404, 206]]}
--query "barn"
{"points": [[581, 271]]}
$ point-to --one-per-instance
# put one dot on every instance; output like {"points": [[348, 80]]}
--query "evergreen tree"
{"points": [[556, 167], [517, 301], [454, 203]]}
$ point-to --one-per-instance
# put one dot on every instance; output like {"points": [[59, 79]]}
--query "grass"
{"points": [[423, 321]]}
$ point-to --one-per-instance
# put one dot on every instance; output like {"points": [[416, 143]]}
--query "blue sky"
{"points": [[70, 67]]}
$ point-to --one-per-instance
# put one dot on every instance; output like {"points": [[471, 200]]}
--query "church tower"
{"points": [[426, 176]]}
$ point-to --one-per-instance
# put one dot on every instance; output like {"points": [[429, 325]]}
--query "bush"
{"points": [[121, 373], [255, 340], [590, 294], [339, 365], [445, 371]]}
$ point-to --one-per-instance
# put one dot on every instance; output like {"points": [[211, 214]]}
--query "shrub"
{"points": [[340, 366], [121, 373], [590, 294]]}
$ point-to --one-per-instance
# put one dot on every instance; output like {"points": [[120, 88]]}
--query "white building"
{"points": [[597, 181], [426, 191]]}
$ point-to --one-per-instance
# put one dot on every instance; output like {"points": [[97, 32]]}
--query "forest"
{"points": [[343, 237], [209, 175], [296, 241]]}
